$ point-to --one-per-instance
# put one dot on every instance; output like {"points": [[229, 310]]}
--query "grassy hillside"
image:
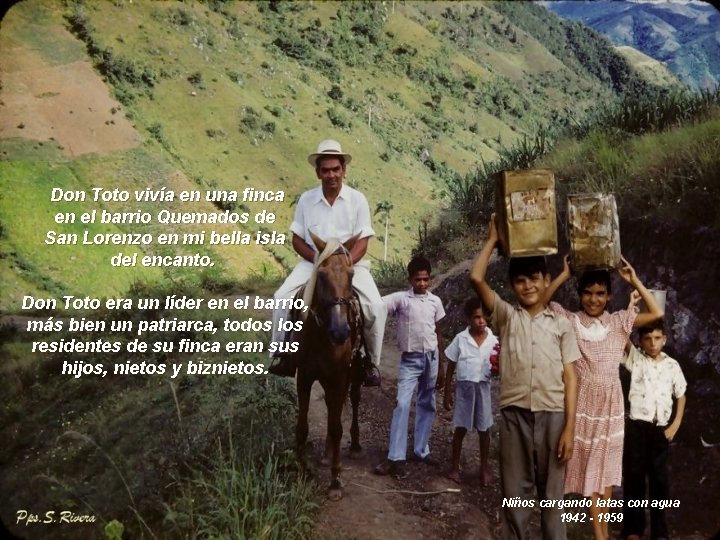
{"points": [[429, 98], [652, 70], [235, 95]]}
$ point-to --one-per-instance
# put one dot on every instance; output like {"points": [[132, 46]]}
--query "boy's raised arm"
{"points": [[627, 272], [479, 268], [561, 278]]}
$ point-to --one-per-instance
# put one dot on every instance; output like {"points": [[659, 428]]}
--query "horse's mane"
{"points": [[332, 245]]}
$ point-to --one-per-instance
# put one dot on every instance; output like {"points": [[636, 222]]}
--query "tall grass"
{"points": [[671, 175], [599, 154], [649, 113], [243, 494], [390, 275], [473, 194]]}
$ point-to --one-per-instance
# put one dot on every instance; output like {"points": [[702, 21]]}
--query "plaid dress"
{"points": [[596, 461]]}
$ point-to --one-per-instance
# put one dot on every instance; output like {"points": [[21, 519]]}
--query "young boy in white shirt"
{"points": [[469, 358], [654, 379]]}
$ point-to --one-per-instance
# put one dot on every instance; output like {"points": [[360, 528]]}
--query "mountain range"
{"points": [[683, 35]]}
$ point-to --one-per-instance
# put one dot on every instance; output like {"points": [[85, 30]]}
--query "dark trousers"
{"points": [[529, 467], [644, 458]]}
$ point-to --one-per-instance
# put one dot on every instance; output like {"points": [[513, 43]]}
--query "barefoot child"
{"points": [[469, 356]]}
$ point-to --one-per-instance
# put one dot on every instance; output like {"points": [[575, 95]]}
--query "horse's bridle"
{"points": [[336, 301]]}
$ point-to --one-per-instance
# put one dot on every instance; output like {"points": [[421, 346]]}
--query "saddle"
{"points": [[360, 363]]}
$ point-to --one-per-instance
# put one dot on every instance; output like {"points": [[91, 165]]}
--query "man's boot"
{"points": [[371, 374], [283, 365]]}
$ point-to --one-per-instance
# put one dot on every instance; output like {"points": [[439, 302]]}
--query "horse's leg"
{"points": [[335, 393], [326, 459], [304, 385], [355, 448]]}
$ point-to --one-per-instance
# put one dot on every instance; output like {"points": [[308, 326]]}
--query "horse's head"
{"points": [[333, 295]]}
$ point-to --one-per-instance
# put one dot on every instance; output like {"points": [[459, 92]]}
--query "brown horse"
{"points": [[331, 335]]}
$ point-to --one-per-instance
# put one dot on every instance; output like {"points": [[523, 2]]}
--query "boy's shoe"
{"points": [[427, 460], [283, 366], [392, 468]]}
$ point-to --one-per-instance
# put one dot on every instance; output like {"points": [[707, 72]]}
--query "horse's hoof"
{"points": [[335, 493], [356, 453]]}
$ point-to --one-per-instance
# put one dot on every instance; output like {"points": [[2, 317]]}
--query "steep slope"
{"points": [[651, 69], [681, 34], [234, 95]]}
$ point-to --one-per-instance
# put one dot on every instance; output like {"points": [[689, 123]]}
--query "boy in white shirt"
{"points": [[469, 356], [655, 379]]}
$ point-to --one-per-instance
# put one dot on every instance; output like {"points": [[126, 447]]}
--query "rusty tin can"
{"points": [[526, 215], [594, 231]]}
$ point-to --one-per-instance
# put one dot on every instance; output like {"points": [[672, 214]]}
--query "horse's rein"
{"points": [[332, 247]]}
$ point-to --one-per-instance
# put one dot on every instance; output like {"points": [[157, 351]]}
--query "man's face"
{"points": [[529, 290], [653, 342], [594, 298], [420, 282], [331, 172]]}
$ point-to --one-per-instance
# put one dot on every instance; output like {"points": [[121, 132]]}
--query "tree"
{"points": [[385, 206]]}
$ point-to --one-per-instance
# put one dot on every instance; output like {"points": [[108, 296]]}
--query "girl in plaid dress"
{"points": [[596, 463]]}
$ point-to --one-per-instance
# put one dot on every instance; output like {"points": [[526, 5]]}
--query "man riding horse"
{"points": [[333, 210]]}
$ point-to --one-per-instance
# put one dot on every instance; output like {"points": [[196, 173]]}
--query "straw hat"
{"points": [[328, 147]]}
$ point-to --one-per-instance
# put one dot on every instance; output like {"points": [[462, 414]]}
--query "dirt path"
{"points": [[381, 507]]}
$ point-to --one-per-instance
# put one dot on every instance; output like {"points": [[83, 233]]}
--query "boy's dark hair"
{"points": [[473, 304], [657, 325], [594, 277], [526, 266], [417, 264]]}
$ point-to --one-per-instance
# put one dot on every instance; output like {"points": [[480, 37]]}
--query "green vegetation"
{"points": [[215, 455], [390, 276], [248, 497], [576, 45], [431, 98], [657, 154], [473, 195], [431, 89], [25, 205], [655, 111]]}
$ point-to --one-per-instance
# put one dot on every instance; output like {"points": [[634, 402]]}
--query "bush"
{"points": [[390, 275], [158, 133], [275, 110], [335, 93], [197, 80], [338, 118], [250, 120]]}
